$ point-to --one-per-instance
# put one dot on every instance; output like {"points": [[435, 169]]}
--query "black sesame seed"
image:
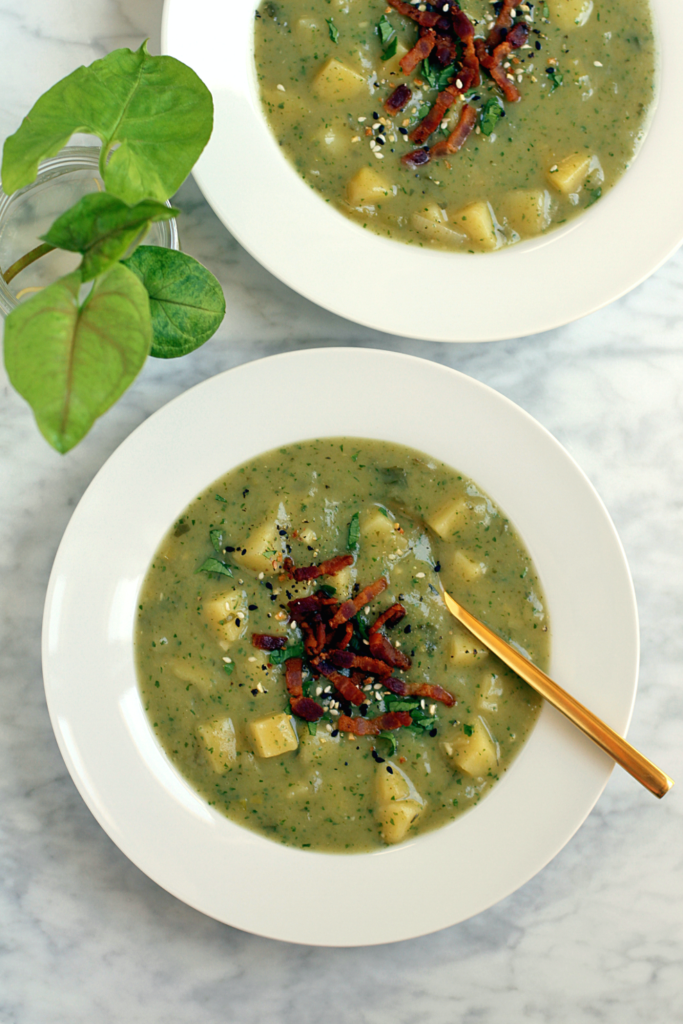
{"points": [[538, 44], [403, 131], [238, 622], [229, 548], [254, 692], [390, 769], [432, 732], [253, 607], [335, 732], [437, 567], [380, 140], [283, 533], [245, 492], [375, 116], [407, 629], [269, 586], [363, 709], [244, 551], [378, 759]]}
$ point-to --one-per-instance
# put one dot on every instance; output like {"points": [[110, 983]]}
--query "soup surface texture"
{"points": [[294, 705], [515, 149]]}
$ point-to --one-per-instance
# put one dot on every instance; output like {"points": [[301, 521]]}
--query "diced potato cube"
{"points": [[432, 222], [377, 530], [569, 14], [491, 692], [336, 81], [343, 582], [228, 615], [393, 65], [467, 567], [449, 518], [220, 743], [190, 672], [368, 187], [273, 735], [391, 785], [396, 819], [474, 755], [527, 210], [464, 648], [260, 548], [478, 223], [569, 174]]}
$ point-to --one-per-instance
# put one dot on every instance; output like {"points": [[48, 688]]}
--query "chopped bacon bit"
{"points": [[342, 684], [382, 649], [417, 157], [341, 643], [303, 608], [266, 642], [388, 618], [294, 676], [423, 47], [458, 136], [374, 726], [311, 572], [350, 608], [425, 18], [445, 50], [502, 24], [307, 709], [399, 98], [347, 659], [508, 88], [430, 690]]}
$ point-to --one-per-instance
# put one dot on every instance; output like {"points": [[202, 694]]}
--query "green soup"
{"points": [[220, 706], [586, 80]]}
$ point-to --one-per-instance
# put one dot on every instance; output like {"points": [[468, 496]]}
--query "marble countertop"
{"points": [[597, 936]]}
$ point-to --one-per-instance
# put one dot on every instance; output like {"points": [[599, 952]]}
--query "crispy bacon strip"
{"points": [[305, 608], [457, 138], [381, 648], [423, 47], [464, 30], [430, 690], [445, 99], [341, 643], [505, 84], [311, 572], [294, 677], [266, 642], [307, 709], [388, 618], [315, 636], [348, 609], [399, 98], [347, 659], [342, 684], [425, 18], [374, 726]]}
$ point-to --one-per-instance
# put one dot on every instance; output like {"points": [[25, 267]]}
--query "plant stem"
{"points": [[27, 260]]}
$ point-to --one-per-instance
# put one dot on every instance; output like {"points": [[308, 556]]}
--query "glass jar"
{"points": [[24, 216]]}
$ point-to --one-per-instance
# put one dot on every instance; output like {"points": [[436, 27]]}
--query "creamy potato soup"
{"points": [[297, 661], [469, 128]]}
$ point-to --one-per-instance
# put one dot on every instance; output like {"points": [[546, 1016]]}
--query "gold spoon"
{"points": [[607, 739]]}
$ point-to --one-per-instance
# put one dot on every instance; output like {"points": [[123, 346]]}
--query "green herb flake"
{"points": [[333, 30], [385, 30], [216, 537], [390, 50], [594, 195], [354, 532], [213, 565], [490, 115], [468, 729]]}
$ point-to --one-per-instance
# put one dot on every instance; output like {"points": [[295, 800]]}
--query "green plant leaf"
{"points": [[186, 300], [490, 114], [155, 109], [102, 228], [72, 361], [213, 565], [354, 532]]}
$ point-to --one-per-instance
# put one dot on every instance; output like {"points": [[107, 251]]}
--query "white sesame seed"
{"points": [[328, 727], [380, 156], [361, 119], [259, 687], [597, 64], [432, 709], [553, 168], [227, 661], [334, 711], [422, 704], [458, 83], [318, 690], [397, 643], [251, 659], [328, 689], [281, 88], [420, 575]]}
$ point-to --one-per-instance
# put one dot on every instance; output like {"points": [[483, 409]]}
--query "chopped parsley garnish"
{"points": [[437, 78], [217, 540], [385, 30], [594, 194], [295, 651], [333, 30], [468, 729], [390, 50], [354, 531], [490, 115]]}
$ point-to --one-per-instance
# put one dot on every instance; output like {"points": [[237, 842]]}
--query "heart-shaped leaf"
{"points": [[186, 300], [155, 109], [71, 362], [102, 228]]}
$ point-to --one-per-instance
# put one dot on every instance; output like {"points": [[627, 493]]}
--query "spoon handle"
{"points": [[657, 781]]}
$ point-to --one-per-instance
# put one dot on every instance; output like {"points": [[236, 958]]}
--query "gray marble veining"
{"points": [[597, 936]]}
